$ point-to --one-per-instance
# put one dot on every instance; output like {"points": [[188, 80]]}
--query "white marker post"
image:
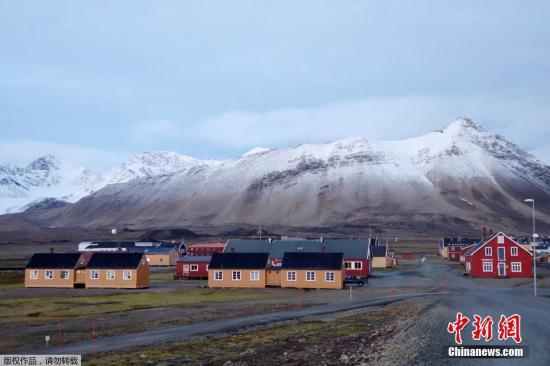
{"points": [[47, 339]]}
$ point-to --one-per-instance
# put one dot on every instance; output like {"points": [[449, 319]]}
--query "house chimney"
{"points": [[484, 233], [52, 250]]}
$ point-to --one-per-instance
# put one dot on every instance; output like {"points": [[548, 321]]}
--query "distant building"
{"points": [[498, 256], [160, 256], [205, 249], [117, 270], [449, 248], [228, 270], [357, 257], [381, 257], [192, 267]]}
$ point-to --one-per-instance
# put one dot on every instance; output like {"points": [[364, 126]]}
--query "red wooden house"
{"points": [[498, 256], [192, 267], [205, 249]]}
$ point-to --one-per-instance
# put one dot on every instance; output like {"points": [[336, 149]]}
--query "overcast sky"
{"points": [[96, 82]]}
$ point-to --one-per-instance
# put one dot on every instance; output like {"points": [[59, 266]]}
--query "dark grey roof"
{"points": [[380, 251], [194, 258], [111, 244], [115, 260], [479, 245], [301, 260], [352, 248], [462, 242], [154, 250], [238, 261], [54, 260]]}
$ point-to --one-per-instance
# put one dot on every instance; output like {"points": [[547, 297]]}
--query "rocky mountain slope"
{"points": [[460, 176]]}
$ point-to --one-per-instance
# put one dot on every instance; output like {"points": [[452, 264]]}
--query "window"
{"points": [[194, 267], [64, 275], [487, 266], [161, 259], [358, 265], [218, 275], [127, 275], [34, 274], [291, 276], [516, 266], [347, 265], [236, 275], [310, 276], [254, 276], [110, 275], [500, 239], [488, 251], [48, 274], [329, 276], [514, 250], [94, 275], [501, 255]]}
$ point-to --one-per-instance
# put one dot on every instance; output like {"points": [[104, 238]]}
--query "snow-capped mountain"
{"points": [[144, 165], [47, 182], [45, 177], [460, 175]]}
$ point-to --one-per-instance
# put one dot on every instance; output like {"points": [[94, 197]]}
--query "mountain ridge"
{"points": [[460, 174]]}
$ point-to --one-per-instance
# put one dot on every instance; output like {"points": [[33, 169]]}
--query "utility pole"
{"points": [[532, 201]]}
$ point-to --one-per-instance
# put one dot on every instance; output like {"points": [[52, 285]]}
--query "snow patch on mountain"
{"points": [[43, 178]]}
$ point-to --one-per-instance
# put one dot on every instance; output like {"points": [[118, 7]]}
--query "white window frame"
{"points": [[516, 265], [291, 276], [488, 251], [48, 274], [500, 239], [109, 273], [310, 276], [330, 276], [348, 265], [514, 251], [218, 276], [254, 275], [194, 268], [161, 259], [94, 274], [357, 265], [33, 274], [236, 275], [64, 274], [127, 275], [489, 267]]}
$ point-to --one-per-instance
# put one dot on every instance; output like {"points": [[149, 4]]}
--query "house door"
{"points": [[186, 270], [502, 269]]}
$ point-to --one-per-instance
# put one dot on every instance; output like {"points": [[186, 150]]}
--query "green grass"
{"points": [[45, 309], [11, 280]]}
